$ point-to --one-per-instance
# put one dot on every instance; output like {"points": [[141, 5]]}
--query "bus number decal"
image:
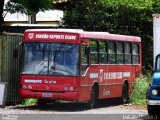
{"points": [[106, 92]]}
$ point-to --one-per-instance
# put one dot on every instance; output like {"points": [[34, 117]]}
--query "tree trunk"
{"points": [[1, 12], [32, 19]]}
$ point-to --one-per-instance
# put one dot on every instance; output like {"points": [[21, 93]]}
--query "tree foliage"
{"points": [[130, 17], [28, 7]]}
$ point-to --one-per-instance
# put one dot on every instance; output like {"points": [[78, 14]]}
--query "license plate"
{"points": [[46, 94]]}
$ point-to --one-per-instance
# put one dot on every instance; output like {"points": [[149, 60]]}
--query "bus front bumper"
{"points": [[49, 95], [153, 102]]}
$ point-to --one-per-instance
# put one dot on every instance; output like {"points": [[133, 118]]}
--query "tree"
{"points": [[1, 12], [29, 7], [130, 17]]}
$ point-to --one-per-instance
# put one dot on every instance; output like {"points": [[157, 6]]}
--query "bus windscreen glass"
{"points": [[56, 59]]}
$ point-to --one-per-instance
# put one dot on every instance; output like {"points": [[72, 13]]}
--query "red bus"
{"points": [[76, 65]]}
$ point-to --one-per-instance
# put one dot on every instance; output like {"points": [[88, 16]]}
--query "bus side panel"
{"points": [[136, 74], [127, 76], [111, 79], [107, 81], [85, 93], [85, 88]]}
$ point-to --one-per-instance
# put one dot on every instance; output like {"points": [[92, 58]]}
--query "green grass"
{"points": [[29, 101], [138, 97]]}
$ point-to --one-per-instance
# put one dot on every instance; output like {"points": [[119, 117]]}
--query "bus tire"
{"points": [[125, 97], [42, 103], [94, 98]]}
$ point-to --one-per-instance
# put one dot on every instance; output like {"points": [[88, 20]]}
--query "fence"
{"points": [[9, 67]]}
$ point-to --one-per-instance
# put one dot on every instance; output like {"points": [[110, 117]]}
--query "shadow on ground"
{"points": [[68, 106]]}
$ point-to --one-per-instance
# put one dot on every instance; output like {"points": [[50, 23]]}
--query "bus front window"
{"points": [[51, 59]]}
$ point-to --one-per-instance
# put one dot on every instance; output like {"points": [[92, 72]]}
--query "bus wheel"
{"points": [[94, 98], [42, 103], [125, 97], [153, 109]]}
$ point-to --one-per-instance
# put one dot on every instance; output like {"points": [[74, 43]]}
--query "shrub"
{"points": [[29, 101], [138, 96]]}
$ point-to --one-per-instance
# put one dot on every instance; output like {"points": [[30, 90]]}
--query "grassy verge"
{"points": [[29, 101], [138, 96]]}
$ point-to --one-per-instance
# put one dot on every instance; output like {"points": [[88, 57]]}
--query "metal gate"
{"points": [[10, 67]]}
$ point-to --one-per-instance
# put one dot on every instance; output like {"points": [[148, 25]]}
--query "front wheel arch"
{"points": [[94, 96]]}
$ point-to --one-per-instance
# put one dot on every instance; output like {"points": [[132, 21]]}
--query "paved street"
{"points": [[76, 111], [75, 117]]}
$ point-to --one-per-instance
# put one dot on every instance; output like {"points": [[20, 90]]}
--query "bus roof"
{"points": [[56, 30], [91, 34]]}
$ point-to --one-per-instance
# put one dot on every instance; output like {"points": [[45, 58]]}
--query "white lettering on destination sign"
{"points": [[32, 81], [51, 36]]}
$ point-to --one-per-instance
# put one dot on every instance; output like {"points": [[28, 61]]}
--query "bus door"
{"points": [[84, 82], [84, 64]]}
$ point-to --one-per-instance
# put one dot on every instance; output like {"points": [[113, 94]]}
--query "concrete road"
{"points": [[76, 111]]}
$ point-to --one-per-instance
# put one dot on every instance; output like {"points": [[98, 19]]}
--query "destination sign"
{"points": [[50, 36]]}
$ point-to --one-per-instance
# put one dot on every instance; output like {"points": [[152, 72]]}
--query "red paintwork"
{"points": [[55, 95], [110, 77]]}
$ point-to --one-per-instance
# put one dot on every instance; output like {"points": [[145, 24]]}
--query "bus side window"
{"points": [[94, 52], [120, 56], [111, 53], [84, 59], [135, 53], [102, 52], [128, 53]]}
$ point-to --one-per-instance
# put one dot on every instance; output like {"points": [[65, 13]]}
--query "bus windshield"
{"points": [[57, 59]]}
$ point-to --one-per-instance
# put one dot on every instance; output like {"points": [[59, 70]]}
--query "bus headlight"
{"points": [[24, 86], [71, 88], [66, 88], [154, 92], [29, 87]]}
